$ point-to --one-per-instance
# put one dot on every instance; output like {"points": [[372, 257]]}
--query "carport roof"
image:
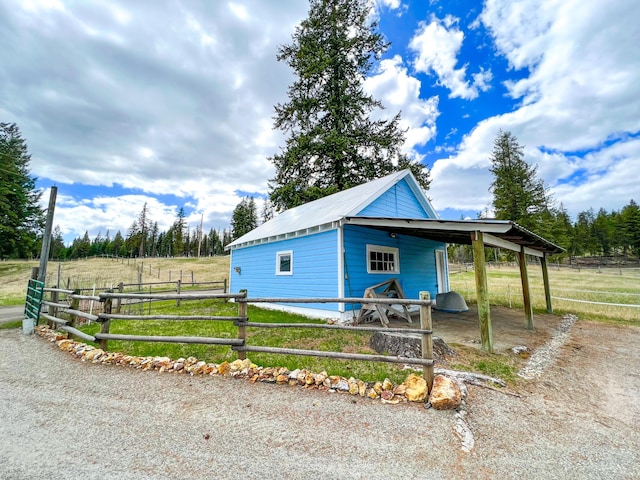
{"points": [[496, 233]]}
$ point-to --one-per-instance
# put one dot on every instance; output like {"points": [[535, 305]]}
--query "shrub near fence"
{"points": [[113, 300]]}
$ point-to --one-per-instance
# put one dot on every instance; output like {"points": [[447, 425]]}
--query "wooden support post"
{"points": [[53, 311], [106, 325], [119, 300], [545, 280], [178, 288], [427, 340], [75, 305], [482, 292], [242, 331], [526, 294]]}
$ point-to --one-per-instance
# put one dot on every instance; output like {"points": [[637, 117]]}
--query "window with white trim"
{"points": [[382, 259], [284, 263]]}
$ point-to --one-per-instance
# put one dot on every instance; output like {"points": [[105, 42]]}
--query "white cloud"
{"points": [[399, 91], [579, 102], [161, 98], [437, 45], [583, 61]]}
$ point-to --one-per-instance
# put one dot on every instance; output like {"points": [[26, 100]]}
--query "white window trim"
{"points": [[384, 249], [282, 254]]}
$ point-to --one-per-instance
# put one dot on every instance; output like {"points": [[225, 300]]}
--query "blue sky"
{"points": [[170, 103]]}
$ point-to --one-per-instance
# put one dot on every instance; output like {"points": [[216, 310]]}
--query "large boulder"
{"points": [[416, 388], [445, 394]]}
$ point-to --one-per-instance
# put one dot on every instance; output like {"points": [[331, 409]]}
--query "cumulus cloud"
{"points": [[436, 45], [401, 92], [154, 97], [578, 102]]}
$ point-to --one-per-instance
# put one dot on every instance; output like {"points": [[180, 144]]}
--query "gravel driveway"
{"points": [[61, 418]]}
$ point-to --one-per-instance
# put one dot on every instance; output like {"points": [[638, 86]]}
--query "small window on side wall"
{"points": [[284, 263], [382, 259]]}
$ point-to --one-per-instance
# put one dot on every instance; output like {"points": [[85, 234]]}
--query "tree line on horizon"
{"points": [[592, 234], [333, 142]]}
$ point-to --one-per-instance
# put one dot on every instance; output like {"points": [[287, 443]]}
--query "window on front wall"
{"points": [[382, 259], [284, 263]]}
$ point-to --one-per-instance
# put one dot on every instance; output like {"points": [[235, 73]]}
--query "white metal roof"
{"points": [[327, 210]]}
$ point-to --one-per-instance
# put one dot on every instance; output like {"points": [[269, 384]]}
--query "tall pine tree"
{"points": [[21, 218], [518, 194], [244, 218], [332, 143]]}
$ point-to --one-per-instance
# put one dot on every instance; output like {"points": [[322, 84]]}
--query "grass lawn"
{"points": [[606, 286], [299, 338]]}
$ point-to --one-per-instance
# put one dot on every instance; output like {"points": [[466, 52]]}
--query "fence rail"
{"points": [[241, 321]]}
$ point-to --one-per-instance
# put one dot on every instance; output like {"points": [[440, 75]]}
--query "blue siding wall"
{"points": [[398, 201], [315, 269], [417, 262]]}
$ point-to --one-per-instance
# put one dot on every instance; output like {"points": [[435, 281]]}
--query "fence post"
{"points": [[427, 342], [75, 305], [53, 311], [104, 328], [225, 286], [178, 288], [192, 280], [242, 330], [119, 300]]}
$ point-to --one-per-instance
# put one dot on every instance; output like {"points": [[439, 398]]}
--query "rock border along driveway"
{"points": [[62, 418]]}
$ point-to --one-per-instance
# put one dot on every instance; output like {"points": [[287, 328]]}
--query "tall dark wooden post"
{"points": [[482, 291], [106, 325], [427, 339], [545, 280], [526, 293]]}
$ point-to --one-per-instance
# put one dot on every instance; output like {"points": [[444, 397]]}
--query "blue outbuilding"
{"points": [[339, 245]]}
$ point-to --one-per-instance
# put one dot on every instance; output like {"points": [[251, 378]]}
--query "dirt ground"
{"points": [[461, 332], [508, 325]]}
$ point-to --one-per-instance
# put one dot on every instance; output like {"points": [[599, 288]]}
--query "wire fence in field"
{"points": [[588, 302], [117, 270]]}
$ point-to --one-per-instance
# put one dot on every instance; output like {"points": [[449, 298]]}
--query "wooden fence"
{"points": [[111, 310]]}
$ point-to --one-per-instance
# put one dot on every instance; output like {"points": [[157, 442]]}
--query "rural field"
{"points": [[107, 273], [603, 294], [584, 293], [607, 294]]}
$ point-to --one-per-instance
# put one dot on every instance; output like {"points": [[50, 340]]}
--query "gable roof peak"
{"points": [[331, 208]]}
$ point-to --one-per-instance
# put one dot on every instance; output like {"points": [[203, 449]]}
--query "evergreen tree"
{"points": [[153, 251], [132, 242], [179, 229], [630, 227], [267, 210], [58, 250], [81, 246], [215, 243], [118, 244], [21, 218], [143, 224], [244, 218], [603, 232], [518, 194], [332, 143]]}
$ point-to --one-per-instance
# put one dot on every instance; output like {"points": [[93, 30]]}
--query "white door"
{"points": [[441, 271]]}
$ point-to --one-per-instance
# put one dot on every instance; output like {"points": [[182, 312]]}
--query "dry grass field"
{"points": [[611, 295], [596, 294], [460, 331], [109, 272]]}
